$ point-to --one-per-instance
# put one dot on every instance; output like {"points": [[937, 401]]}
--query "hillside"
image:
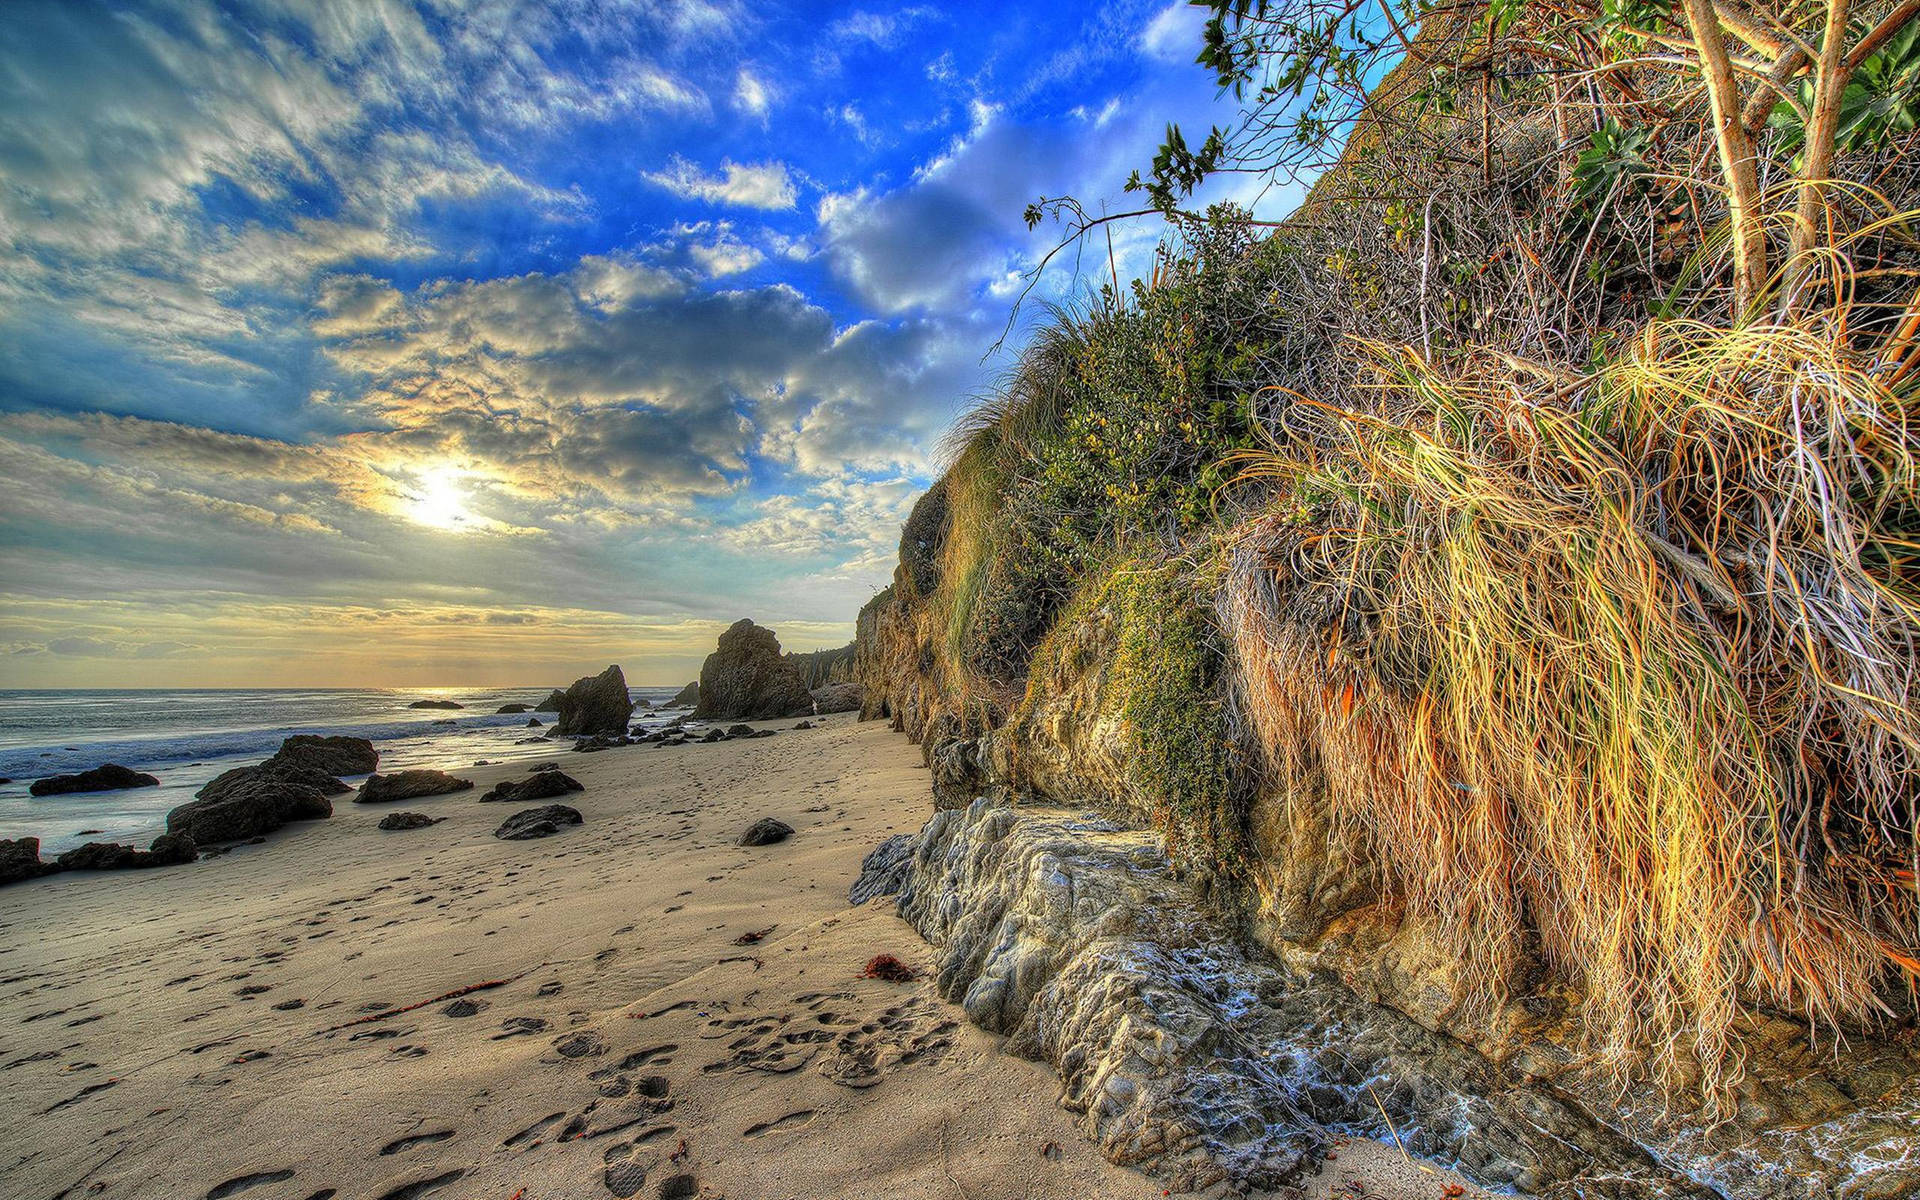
{"points": [[1496, 585]]}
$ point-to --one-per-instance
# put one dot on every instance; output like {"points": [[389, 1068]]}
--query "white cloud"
{"points": [[765, 185], [1174, 33], [751, 94]]}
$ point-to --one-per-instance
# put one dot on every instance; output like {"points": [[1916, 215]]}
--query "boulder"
{"points": [[534, 723], [409, 785], [515, 709], [884, 870], [766, 831], [686, 697], [596, 704], [169, 849], [541, 785], [435, 704], [747, 679], [330, 755], [837, 698], [544, 821], [715, 735], [803, 725], [250, 801], [551, 703], [20, 859], [107, 777], [739, 731], [408, 820]]}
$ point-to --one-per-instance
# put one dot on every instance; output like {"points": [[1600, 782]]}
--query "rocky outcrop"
{"points": [[330, 755], [818, 668], [247, 802], [686, 697], [1185, 1053], [883, 872], [544, 821], [541, 785], [447, 704], [595, 704], [552, 703], [408, 820], [108, 777], [515, 709], [836, 698], [746, 678], [20, 860], [169, 849], [409, 785]]}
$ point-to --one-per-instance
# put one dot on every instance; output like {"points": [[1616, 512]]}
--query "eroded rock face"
{"points": [[596, 704], [1186, 1055], [20, 859], [409, 785], [837, 698], [746, 679], [330, 755], [686, 697], [108, 777]]}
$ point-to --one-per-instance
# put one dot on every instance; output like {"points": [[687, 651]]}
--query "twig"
{"points": [[944, 1166], [459, 991]]}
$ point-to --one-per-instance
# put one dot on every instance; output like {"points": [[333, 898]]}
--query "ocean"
{"points": [[185, 737]]}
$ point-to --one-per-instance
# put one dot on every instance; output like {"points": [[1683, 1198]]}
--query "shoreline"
{"points": [[573, 1016]]}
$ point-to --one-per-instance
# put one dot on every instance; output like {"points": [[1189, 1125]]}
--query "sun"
{"points": [[439, 501]]}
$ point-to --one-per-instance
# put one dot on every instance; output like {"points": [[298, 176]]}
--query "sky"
{"points": [[375, 343]]}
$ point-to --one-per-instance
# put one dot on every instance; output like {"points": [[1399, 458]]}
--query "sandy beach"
{"points": [[635, 1007]]}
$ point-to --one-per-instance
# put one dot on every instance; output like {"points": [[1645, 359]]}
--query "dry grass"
{"points": [[1624, 660]]}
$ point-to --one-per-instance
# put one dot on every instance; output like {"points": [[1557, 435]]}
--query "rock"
{"points": [[803, 725], [541, 785], [739, 731], [766, 831], [408, 820], [544, 821], [247, 802], [714, 735], [20, 859], [746, 678], [552, 703], [169, 849], [601, 741], [596, 704], [515, 709], [330, 755], [884, 869], [435, 704], [534, 723], [108, 777], [528, 741], [686, 697], [760, 733], [837, 698], [409, 785]]}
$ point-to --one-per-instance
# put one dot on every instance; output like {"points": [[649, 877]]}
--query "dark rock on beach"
{"points": [[746, 678], [686, 697], [596, 704], [330, 755], [20, 859], [766, 831], [435, 704], [544, 821], [169, 849], [408, 820], [534, 722], [514, 708], [552, 703], [249, 801], [739, 731], [541, 785], [107, 777], [409, 785]]}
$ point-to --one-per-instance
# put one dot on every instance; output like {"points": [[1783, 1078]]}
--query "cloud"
{"points": [[1174, 33], [764, 185], [751, 95]]}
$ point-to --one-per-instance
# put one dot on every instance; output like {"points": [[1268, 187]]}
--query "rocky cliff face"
{"points": [[747, 678], [1217, 977], [595, 704]]}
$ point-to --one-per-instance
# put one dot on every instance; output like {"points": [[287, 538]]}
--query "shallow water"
{"points": [[185, 737]]}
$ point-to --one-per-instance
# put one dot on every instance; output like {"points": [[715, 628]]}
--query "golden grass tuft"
{"points": [[1624, 660]]}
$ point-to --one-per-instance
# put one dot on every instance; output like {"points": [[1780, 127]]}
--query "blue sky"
{"points": [[375, 342]]}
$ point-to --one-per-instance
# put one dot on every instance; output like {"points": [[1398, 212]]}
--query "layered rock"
{"points": [[541, 785], [595, 704], [169, 849], [837, 698], [686, 697], [544, 821], [746, 678], [247, 802], [330, 755], [1188, 1055], [108, 777]]}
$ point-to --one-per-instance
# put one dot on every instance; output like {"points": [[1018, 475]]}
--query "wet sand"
{"points": [[635, 1007]]}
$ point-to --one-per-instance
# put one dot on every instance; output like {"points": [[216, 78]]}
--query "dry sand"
{"points": [[230, 1029]]}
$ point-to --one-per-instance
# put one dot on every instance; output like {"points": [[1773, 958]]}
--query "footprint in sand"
{"points": [[241, 1183], [520, 1027], [416, 1139], [423, 1187], [793, 1120], [625, 1168]]}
